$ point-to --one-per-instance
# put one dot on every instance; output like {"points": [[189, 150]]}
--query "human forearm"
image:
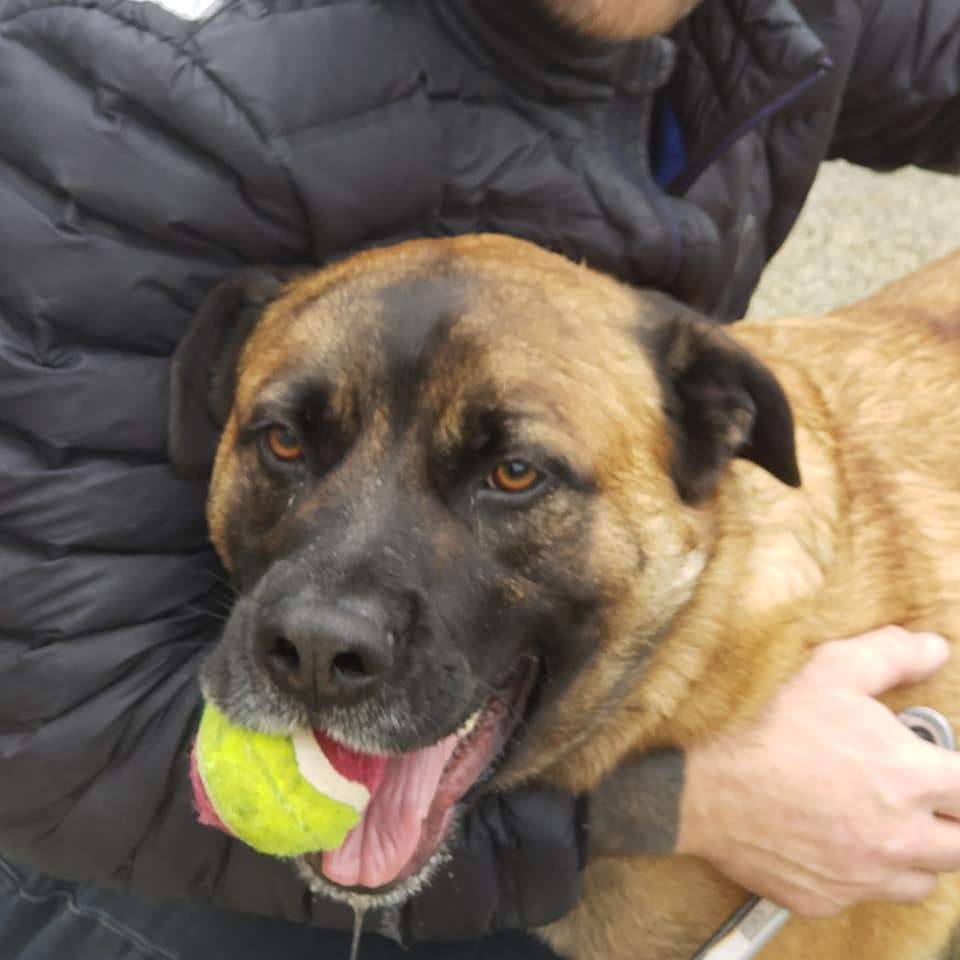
{"points": [[825, 801]]}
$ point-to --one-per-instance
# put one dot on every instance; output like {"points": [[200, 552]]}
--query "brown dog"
{"points": [[464, 481]]}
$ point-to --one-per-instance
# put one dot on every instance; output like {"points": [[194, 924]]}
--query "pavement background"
{"points": [[858, 231]]}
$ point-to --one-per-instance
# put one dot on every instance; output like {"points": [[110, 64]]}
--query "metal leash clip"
{"points": [[752, 926], [929, 725]]}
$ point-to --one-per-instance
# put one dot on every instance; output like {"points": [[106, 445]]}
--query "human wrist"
{"points": [[707, 785]]}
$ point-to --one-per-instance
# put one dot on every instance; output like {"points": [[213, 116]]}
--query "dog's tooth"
{"points": [[467, 727]]}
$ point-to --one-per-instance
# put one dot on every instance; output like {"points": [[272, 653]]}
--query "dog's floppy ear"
{"points": [[722, 402], [203, 369]]}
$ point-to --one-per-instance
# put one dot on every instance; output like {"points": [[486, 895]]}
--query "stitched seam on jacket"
{"points": [[334, 126], [10, 874], [45, 551], [232, 5], [20, 331], [132, 234], [101, 919], [61, 453], [214, 81], [150, 125]]}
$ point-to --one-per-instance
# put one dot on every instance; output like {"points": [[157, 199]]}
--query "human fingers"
{"points": [[882, 659], [935, 778], [934, 849], [910, 886]]}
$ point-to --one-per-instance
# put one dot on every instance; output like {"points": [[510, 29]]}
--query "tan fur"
{"points": [[873, 537], [730, 596]]}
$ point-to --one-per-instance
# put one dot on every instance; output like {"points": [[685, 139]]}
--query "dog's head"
{"points": [[457, 486]]}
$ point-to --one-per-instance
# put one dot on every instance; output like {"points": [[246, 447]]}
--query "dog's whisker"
{"points": [[223, 582], [206, 612]]}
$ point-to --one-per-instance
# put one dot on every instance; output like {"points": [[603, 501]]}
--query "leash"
{"points": [[748, 930]]}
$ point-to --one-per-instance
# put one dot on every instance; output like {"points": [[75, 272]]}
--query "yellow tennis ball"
{"points": [[254, 785]]}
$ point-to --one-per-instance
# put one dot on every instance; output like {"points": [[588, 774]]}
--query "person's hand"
{"points": [[828, 800]]}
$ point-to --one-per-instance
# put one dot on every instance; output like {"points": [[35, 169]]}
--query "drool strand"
{"points": [[358, 913]]}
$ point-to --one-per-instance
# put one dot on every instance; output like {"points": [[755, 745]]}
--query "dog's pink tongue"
{"points": [[383, 842]]}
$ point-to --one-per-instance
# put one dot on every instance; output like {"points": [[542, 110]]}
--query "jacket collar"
{"points": [[542, 61]]}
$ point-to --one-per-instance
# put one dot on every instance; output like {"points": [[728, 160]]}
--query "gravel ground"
{"points": [[858, 231]]}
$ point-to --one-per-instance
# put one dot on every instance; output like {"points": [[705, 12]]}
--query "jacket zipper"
{"points": [[688, 177]]}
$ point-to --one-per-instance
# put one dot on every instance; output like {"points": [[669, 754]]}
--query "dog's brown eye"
{"points": [[514, 476], [283, 443]]}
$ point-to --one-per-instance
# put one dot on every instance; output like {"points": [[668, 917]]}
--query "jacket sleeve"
{"points": [[132, 179], [117, 211], [902, 102]]}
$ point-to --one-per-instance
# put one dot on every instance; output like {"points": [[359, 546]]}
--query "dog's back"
{"points": [[891, 362], [873, 537]]}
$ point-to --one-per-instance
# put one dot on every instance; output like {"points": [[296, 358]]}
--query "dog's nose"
{"points": [[326, 655]]}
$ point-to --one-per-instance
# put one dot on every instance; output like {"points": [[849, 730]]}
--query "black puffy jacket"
{"points": [[144, 157]]}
